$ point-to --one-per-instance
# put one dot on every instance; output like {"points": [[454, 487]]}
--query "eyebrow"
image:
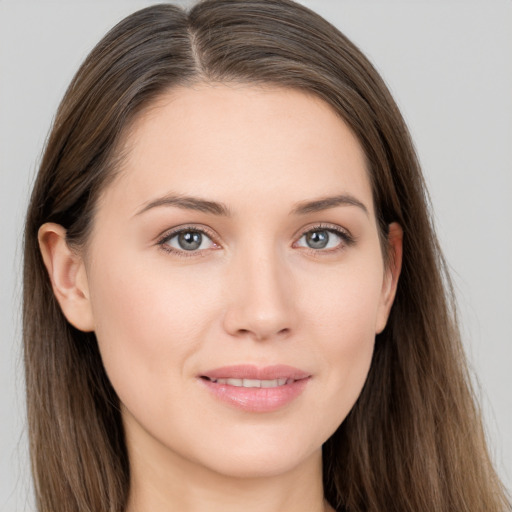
{"points": [[216, 208], [324, 203], [188, 203]]}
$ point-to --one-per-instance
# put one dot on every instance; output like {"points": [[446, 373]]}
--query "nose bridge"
{"points": [[260, 300]]}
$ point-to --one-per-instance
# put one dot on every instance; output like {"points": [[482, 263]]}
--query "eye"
{"points": [[324, 239], [187, 240]]}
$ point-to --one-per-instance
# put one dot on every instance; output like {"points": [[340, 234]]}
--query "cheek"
{"points": [[345, 316], [147, 326], [154, 324], [345, 303]]}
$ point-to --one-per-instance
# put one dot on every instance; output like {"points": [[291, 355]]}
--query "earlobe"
{"points": [[392, 273], [68, 277]]}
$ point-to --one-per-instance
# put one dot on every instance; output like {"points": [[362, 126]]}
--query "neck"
{"points": [[161, 482]]}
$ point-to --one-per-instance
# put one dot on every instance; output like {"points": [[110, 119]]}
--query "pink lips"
{"points": [[280, 385]]}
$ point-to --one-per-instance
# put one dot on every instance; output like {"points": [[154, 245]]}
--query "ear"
{"points": [[391, 275], [68, 277]]}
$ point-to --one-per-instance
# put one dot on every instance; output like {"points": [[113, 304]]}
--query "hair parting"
{"points": [[414, 440]]}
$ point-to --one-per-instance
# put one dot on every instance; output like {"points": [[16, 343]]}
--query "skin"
{"points": [[254, 293]]}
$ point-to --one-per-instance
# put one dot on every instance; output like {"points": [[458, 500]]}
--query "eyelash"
{"points": [[347, 240], [163, 241]]}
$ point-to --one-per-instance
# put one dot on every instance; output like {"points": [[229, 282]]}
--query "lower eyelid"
{"points": [[346, 239], [163, 240], [175, 236]]}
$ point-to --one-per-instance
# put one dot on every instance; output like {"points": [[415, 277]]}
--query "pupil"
{"points": [[190, 240], [317, 239]]}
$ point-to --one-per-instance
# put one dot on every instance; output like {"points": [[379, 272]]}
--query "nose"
{"points": [[261, 300]]}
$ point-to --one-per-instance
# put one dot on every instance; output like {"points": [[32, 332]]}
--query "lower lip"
{"points": [[257, 399]]}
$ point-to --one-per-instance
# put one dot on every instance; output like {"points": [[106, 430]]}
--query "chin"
{"points": [[260, 453], [262, 464]]}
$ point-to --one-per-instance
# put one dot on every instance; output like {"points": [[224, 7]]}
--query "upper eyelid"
{"points": [[169, 233], [323, 226]]}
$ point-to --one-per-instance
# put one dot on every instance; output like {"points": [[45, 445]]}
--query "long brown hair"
{"points": [[414, 440]]}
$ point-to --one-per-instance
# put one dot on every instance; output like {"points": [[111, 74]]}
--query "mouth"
{"points": [[251, 383], [255, 389]]}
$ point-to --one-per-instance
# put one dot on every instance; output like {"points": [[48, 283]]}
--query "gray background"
{"points": [[449, 65]]}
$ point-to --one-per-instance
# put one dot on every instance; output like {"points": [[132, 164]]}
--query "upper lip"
{"points": [[244, 371]]}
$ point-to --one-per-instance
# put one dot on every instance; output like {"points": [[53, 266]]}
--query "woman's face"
{"points": [[235, 278]]}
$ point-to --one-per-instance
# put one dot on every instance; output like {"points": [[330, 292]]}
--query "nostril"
{"points": [[261, 334]]}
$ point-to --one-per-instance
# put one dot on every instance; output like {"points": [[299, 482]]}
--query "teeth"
{"points": [[253, 383]]}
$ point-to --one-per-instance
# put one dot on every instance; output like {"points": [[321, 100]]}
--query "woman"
{"points": [[233, 293]]}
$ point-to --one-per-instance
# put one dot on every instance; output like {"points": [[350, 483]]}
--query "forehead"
{"points": [[240, 142]]}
